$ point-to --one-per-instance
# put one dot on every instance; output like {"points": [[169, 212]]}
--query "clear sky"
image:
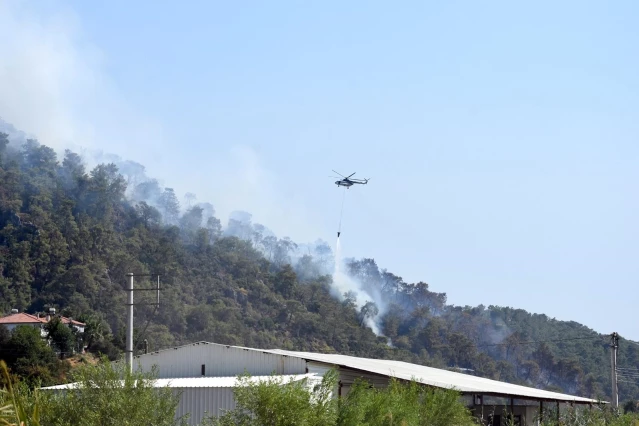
{"points": [[501, 137]]}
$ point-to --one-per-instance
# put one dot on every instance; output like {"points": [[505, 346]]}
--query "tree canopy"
{"points": [[68, 237]]}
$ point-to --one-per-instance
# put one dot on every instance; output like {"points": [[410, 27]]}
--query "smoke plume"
{"points": [[345, 286]]}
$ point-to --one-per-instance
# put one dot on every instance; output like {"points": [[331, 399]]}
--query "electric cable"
{"points": [[516, 343], [155, 310]]}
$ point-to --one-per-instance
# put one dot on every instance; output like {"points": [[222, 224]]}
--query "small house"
{"points": [[16, 319]]}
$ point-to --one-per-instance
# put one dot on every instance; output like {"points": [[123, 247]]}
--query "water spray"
{"points": [[341, 213]]}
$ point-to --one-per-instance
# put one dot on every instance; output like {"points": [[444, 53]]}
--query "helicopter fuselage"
{"points": [[347, 184]]}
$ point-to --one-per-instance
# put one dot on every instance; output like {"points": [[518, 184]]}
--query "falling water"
{"points": [[338, 256]]}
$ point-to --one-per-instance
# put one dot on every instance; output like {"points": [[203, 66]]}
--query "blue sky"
{"points": [[500, 137]]}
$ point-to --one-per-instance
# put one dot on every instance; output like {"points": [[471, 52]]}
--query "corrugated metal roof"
{"points": [[436, 377], [204, 382], [433, 376]]}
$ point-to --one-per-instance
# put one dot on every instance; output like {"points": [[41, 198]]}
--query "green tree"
{"points": [[368, 311], [279, 403], [29, 357], [402, 404], [276, 403], [4, 141], [61, 336], [214, 227], [149, 215], [14, 402], [108, 394], [285, 281], [169, 206]]}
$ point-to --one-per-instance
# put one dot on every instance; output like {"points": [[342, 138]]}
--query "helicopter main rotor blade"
{"points": [[351, 175], [339, 174]]}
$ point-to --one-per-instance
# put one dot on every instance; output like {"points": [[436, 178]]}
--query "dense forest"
{"points": [[69, 236]]}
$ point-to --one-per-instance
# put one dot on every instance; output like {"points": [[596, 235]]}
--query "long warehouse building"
{"points": [[204, 373]]}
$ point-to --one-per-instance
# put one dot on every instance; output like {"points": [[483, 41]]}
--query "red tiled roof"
{"points": [[66, 320], [24, 318]]}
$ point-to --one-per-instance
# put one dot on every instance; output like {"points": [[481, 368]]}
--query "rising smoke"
{"points": [[310, 260], [345, 286], [359, 283], [54, 86]]}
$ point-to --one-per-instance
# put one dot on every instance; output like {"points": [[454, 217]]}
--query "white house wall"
{"points": [[219, 360]]}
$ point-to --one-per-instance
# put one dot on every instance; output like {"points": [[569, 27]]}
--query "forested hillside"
{"points": [[68, 237]]}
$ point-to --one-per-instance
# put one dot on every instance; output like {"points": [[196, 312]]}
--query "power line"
{"points": [[628, 374], [623, 376], [516, 343]]}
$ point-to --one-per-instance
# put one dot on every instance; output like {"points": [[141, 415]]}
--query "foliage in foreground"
{"points": [[13, 410], [275, 403], [402, 404], [107, 394], [298, 403], [589, 417]]}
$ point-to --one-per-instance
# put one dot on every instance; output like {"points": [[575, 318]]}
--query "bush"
{"points": [[402, 404], [583, 416], [106, 394], [274, 403]]}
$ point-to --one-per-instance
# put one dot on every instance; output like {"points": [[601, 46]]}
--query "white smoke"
{"points": [[54, 85], [343, 284]]}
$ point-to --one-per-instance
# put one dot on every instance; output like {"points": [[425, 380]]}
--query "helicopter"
{"points": [[348, 182]]}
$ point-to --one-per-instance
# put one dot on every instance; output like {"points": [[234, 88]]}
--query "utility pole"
{"points": [[614, 344], [129, 322], [129, 312]]}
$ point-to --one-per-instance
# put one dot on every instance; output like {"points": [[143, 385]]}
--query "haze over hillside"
{"points": [[69, 235], [500, 139]]}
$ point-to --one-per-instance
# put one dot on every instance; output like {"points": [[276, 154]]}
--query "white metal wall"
{"points": [[219, 360], [204, 402]]}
